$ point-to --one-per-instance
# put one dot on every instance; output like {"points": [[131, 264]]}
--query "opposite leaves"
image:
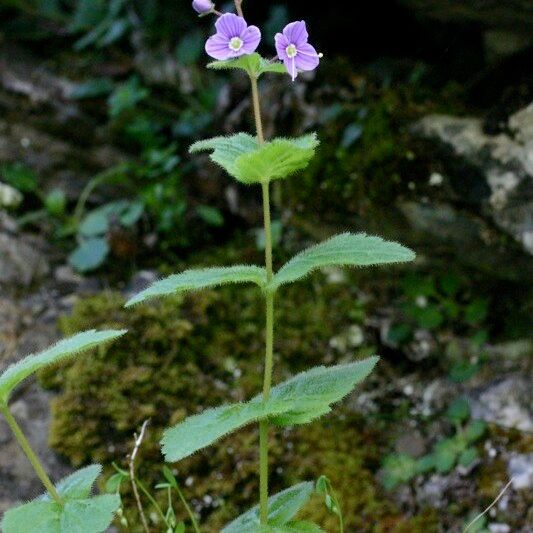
{"points": [[299, 400], [191, 280], [249, 162], [253, 64], [80, 513], [282, 508], [347, 249], [64, 349]]}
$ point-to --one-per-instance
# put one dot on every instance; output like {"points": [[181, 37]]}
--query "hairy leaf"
{"points": [[199, 431], [311, 393], [299, 400], [282, 508], [79, 514], [191, 280], [92, 515], [253, 64], [65, 348], [347, 249], [276, 159], [249, 162]]}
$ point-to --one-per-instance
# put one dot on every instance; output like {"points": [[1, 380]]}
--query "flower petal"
{"points": [[217, 46], [230, 25], [251, 38], [307, 57], [296, 33], [290, 65], [281, 45]]}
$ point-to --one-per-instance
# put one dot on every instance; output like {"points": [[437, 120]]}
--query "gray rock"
{"points": [[494, 172], [22, 261], [520, 468], [506, 402]]}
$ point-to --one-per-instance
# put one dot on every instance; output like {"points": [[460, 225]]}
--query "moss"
{"points": [[185, 354]]}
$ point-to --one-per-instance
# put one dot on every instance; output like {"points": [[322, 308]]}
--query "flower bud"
{"points": [[202, 7]]}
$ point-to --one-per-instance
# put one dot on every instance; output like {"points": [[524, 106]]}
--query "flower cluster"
{"points": [[234, 38]]}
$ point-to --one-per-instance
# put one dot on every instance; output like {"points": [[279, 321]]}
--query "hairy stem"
{"points": [[30, 454], [133, 456], [269, 320]]}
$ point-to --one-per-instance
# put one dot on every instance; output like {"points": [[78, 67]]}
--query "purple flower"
{"points": [[233, 38], [293, 48], [202, 7]]}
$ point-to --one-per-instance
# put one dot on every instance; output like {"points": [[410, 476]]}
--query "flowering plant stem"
{"points": [[30, 454], [269, 319]]}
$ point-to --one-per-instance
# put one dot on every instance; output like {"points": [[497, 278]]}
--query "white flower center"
{"points": [[291, 51], [236, 44]]}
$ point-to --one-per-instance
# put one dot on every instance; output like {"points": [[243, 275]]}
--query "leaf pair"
{"points": [[282, 508], [253, 64], [299, 400], [249, 162], [347, 249], [64, 349], [79, 513]]}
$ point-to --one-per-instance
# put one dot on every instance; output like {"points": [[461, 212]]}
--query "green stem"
{"points": [[30, 454], [189, 510], [269, 319]]}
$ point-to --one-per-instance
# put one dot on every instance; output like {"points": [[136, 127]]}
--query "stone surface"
{"points": [[506, 402], [492, 172], [520, 468]]}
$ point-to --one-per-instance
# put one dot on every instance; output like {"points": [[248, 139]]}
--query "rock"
{"points": [[520, 468], [492, 172], [506, 402], [22, 259]]}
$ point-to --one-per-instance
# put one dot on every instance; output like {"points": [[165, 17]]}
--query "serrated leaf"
{"points": [[299, 400], [249, 162], [79, 513], [347, 249], [93, 515], [282, 507], [79, 484], [199, 431], [34, 516], [253, 64], [276, 159], [311, 393], [192, 280], [65, 348]]}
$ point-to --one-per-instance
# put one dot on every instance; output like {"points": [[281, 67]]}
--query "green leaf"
{"points": [[92, 89], [79, 484], [276, 159], [249, 162], [253, 64], [459, 410], [347, 249], [398, 468], [89, 255], [199, 431], [445, 454], [192, 280], [79, 514], [475, 430], [92, 515], [210, 215], [290, 527], [311, 393], [299, 400], [468, 457], [282, 507], [70, 347], [40, 516]]}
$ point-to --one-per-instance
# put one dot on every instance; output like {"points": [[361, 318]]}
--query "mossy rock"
{"points": [[185, 354]]}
